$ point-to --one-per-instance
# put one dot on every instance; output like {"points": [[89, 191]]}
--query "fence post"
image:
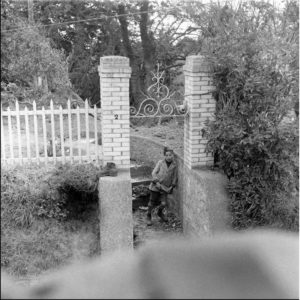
{"points": [[114, 74], [202, 106]]}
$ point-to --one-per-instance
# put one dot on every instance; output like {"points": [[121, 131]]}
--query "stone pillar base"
{"points": [[115, 206]]}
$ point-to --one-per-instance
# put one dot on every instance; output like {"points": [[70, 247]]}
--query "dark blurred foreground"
{"points": [[257, 264]]}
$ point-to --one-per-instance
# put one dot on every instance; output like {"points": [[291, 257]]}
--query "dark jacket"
{"points": [[165, 175]]}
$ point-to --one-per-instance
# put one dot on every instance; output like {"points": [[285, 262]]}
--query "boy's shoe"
{"points": [[162, 217], [149, 222]]}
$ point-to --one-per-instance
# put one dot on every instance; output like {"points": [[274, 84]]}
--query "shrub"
{"points": [[77, 186], [59, 193], [41, 220], [254, 53], [17, 200]]}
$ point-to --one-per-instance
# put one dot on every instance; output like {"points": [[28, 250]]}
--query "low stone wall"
{"points": [[201, 198]]}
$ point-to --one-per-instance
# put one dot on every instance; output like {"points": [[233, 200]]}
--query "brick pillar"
{"points": [[201, 104], [114, 74]]}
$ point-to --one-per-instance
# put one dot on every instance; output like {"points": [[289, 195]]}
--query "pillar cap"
{"points": [[197, 64], [114, 61], [114, 65]]}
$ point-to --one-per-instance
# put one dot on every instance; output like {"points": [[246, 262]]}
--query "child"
{"points": [[164, 180]]}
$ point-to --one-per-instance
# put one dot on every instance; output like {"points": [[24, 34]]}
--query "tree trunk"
{"points": [[147, 45], [30, 12], [135, 75]]}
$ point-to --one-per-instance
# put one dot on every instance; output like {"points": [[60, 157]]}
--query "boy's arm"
{"points": [[155, 172], [175, 177]]}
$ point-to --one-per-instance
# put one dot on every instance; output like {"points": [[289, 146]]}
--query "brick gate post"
{"points": [[114, 74], [202, 106], [115, 194]]}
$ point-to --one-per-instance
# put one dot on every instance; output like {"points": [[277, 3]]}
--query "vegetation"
{"points": [[140, 30], [41, 213], [27, 58], [254, 52]]}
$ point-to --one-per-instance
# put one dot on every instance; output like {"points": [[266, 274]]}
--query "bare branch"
{"points": [[187, 31], [160, 21], [173, 66], [175, 30]]}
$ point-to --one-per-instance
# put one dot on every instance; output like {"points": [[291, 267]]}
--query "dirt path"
{"points": [[171, 134], [158, 230]]}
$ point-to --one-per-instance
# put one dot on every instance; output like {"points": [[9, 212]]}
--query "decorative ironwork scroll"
{"points": [[158, 101]]}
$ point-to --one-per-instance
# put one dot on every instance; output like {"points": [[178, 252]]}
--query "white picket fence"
{"points": [[51, 135]]}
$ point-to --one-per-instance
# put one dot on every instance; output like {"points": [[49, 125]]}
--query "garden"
{"points": [[49, 216]]}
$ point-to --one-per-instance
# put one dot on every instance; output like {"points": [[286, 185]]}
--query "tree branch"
{"points": [[160, 21], [187, 31], [173, 66]]}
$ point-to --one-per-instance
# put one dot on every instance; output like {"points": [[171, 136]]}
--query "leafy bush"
{"points": [[77, 186], [254, 53], [62, 192], [17, 201], [28, 53], [41, 220]]}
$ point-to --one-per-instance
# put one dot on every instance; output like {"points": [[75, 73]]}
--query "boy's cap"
{"points": [[167, 149]]}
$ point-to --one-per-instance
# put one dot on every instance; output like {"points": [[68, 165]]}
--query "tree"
{"points": [[83, 42], [135, 81], [28, 53], [135, 32]]}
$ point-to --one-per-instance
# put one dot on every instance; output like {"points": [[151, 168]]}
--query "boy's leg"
{"points": [[163, 198], [154, 201]]}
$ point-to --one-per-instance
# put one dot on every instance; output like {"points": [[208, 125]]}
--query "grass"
{"points": [[31, 251], [34, 236]]}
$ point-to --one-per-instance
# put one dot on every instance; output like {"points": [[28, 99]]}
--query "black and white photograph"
{"points": [[150, 149]]}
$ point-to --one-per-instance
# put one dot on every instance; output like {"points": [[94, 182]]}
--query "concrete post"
{"points": [[115, 206], [114, 74], [202, 106]]}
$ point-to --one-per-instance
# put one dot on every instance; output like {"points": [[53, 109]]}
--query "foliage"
{"points": [[83, 42], [26, 56], [81, 177], [253, 50], [40, 219], [61, 193], [29, 53], [160, 26], [133, 35], [32, 54], [77, 187]]}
